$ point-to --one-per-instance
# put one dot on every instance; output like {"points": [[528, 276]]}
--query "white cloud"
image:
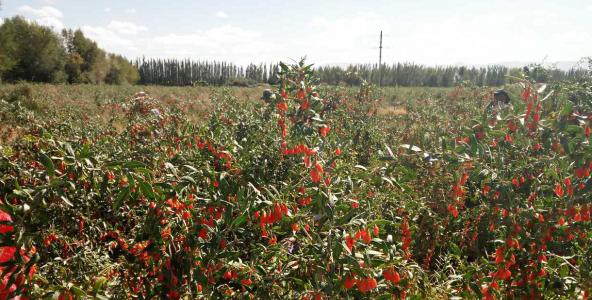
{"points": [[544, 13], [131, 11], [486, 37], [44, 12], [126, 27], [344, 39], [46, 16], [110, 40], [228, 43], [589, 7], [107, 9], [51, 22], [221, 14]]}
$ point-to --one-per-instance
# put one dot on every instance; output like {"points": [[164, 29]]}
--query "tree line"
{"points": [[410, 74], [187, 72], [31, 52], [179, 72]]}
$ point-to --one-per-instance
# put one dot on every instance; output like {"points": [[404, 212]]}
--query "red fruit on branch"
{"points": [[499, 255], [486, 190], [282, 106], [315, 176], [525, 94], [7, 253], [305, 104], [512, 126], [452, 210], [561, 221], [367, 284], [349, 282], [559, 190], [350, 242], [5, 217], [300, 94], [391, 275], [324, 130]]}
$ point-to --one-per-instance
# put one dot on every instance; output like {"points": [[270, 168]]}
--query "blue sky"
{"points": [[335, 31]]}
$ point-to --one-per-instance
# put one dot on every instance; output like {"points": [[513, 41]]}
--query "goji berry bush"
{"points": [[310, 195]]}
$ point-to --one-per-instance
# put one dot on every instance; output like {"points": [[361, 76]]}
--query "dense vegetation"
{"points": [[35, 53], [322, 192]]}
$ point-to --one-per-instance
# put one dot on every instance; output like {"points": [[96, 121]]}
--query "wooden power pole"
{"points": [[380, 61]]}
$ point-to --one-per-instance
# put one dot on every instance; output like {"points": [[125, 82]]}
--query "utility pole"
{"points": [[380, 61]]}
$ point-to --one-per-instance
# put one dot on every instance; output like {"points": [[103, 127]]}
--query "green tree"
{"points": [[8, 51], [121, 71], [86, 63], [73, 68], [30, 52]]}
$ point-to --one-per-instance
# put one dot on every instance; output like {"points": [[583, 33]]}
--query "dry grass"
{"points": [[391, 111], [101, 104]]}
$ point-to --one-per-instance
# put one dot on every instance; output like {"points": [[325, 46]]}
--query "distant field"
{"points": [[89, 100], [102, 104]]}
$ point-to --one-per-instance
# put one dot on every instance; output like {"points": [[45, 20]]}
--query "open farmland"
{"points": [[323, 192]]}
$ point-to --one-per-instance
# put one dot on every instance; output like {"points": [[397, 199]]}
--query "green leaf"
{"points": [[47, 163], [134, 165], [77, 291], [564, 270], [574, 129], [374, 252], [126, 164], [497, 133], [239, 221], [454, 249], [567, 108], [22, 193], [99, 283], [146, 190], [188, 179], [123, 194]]}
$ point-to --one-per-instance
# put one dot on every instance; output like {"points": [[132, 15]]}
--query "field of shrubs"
{"points": [[322, 192]]}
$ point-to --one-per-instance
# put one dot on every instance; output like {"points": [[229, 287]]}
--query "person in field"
{"points": [[501, 100], [267, 95]]}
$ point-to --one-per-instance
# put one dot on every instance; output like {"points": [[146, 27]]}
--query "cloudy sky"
{"points": [[334, 31]]}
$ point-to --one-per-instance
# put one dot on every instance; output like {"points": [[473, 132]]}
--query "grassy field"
{"points": [[101, 104], [326, 192]]}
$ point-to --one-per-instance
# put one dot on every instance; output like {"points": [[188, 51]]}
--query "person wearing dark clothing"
{"points": [[501, 100]]}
